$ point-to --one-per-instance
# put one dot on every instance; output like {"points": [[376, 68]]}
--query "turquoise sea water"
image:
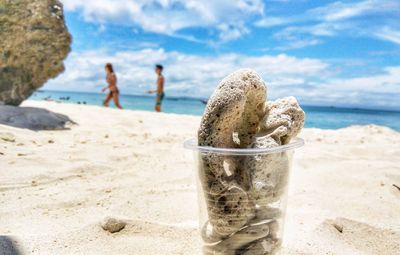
{"points": [[317, 116]]}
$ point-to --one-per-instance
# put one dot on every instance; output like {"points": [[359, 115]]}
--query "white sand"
{"points": [[57, 186]]}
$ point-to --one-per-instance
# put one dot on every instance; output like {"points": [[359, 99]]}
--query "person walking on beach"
{"points": [[160, 88], [113, 93]]}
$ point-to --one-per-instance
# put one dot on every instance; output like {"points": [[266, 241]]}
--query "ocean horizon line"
{"points": [[204, 99]]}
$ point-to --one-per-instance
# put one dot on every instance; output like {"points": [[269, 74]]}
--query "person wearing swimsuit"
{"points": [[111, 79], [160, 88]]}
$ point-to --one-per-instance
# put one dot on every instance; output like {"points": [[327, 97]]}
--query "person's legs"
{"points": [[107, 99], [116, 100], [158, 102]]}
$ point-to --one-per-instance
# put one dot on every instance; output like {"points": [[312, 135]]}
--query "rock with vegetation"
{"points": [[34, 41]]}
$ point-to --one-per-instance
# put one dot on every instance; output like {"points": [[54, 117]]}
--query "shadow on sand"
{"points": [[33, 118], [8, 246]]}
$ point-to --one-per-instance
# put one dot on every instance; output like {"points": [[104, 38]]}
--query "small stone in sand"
{"points": [[113, 225], [8, 137], [338, 227]]}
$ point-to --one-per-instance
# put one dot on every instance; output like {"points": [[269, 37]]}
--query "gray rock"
{"points": [[7, 137], [113, 225], [233, 115], [33, 118], [243, 193], [34, 41], [230, 211], [269, 173], [264, 213], [263, 246], [236, 107], [284, 120], [237, 240], [9, 245]]}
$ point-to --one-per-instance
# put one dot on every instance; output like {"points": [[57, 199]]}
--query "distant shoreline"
{"points": [[202, 99], [134, 95]]}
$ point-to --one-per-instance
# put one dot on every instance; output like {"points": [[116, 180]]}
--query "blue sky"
{"points": [[341, 53]]}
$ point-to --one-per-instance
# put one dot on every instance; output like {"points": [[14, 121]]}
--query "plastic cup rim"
{"points": [[191, 144]]}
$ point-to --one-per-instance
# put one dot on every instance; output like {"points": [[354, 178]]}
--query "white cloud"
{"points": [[229, 33], [293, 37], [389, 34], [380, 91], [321, 29], [388, 82], [185, 74], [298, 43], [340, 11], [271, 21], [191, 75], [337, 11], [334, 19], [227, 17]]}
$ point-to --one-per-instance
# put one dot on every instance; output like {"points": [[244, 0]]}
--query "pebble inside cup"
{"points": [[243, 219]]}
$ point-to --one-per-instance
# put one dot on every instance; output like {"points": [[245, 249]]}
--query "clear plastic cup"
{"points": [[242, 197]]}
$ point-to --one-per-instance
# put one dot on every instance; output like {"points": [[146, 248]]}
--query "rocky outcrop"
{"points": [[34, 41]]}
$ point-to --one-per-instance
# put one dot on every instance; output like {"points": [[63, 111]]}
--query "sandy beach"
{"points": [[57, 186]]}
